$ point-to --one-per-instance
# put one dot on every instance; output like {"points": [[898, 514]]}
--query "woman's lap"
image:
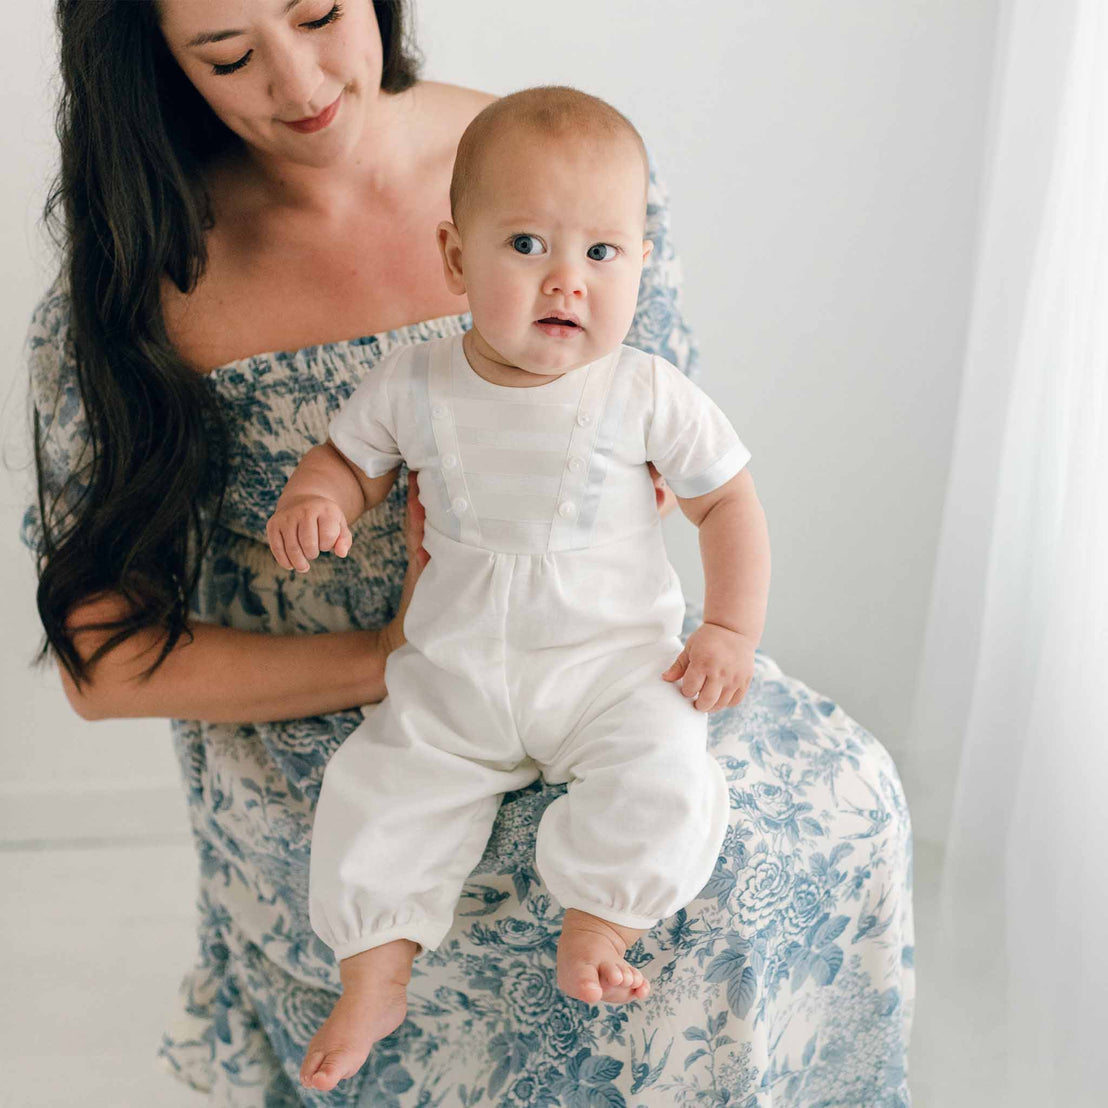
{"points": [[788, 981]]}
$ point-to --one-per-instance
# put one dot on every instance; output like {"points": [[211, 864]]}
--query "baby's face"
{"points": [[551, 253]]}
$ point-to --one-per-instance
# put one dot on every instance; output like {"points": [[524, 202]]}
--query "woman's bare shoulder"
{"points": [[458, 95], [453, 106], [241, 303]]}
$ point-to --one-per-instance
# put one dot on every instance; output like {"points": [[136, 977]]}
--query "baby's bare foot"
{"points": [[340, 1047], [373, 1004], [591, 966]]}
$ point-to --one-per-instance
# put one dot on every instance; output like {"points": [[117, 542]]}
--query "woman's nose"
{"points": [[295, 77]]}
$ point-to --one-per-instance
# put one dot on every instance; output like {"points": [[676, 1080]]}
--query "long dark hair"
{"points": [[128, 206]]}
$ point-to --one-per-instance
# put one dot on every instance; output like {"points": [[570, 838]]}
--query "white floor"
{"points": [[93, 940]]}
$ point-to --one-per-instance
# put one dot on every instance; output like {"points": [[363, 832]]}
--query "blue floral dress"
{"points": [[788, 981]]}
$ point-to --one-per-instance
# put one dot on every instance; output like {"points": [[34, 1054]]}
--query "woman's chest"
{"points": [[295, 291]]}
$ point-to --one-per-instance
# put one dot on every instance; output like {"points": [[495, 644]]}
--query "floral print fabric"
{"points": [[788, 982]]}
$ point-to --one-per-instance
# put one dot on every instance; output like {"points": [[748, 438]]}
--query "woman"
{"points": [[269, 180]]}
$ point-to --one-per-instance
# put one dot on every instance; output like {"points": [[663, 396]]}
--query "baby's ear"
{"points": [[450, 247], [647, 249]]}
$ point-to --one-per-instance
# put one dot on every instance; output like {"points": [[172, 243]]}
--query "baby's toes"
{"points": [[323, 1070], [589, 984], [614, 975]]}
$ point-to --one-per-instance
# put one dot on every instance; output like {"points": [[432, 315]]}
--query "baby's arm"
{"points": [[717, 664], [325, 494]]}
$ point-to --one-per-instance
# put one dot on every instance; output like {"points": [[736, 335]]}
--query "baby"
{"points": [[539, 629]]}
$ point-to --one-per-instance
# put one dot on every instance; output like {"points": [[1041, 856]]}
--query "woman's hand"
{"points": [[663, 494], [392, 634]]}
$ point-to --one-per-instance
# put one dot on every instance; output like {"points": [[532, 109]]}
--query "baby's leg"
{"points": [[373, 1004], [638, 833], [404, 814]]}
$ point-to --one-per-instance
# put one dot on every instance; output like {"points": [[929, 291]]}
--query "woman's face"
{"points": [[265, 64]]}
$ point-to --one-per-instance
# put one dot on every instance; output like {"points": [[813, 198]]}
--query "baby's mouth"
{"points": [[560, 321]]}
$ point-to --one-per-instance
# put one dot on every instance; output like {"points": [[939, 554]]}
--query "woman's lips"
{"points": [[315, 122]]}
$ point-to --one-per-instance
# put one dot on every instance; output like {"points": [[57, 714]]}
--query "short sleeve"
{"points": [[658, 326], [365, 428], [690, 441], [55, 399]]}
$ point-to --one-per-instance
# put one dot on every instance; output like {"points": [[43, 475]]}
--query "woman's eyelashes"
{"points": [[223, 70], [532, 244], [330, 17], [313, 25]]}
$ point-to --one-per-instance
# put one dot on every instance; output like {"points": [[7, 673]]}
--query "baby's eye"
{"points": [[527, 244], [596, 252]]}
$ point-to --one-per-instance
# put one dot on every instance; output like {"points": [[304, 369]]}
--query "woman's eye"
{"points": [[330, 17], [313, 25], [527, 244], [232, 66], [601, 252]]}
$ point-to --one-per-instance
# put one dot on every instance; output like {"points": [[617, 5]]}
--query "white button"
{"points": [[449, 461], [439, 411], [576, 465], [459, 504], [584, 419], [567, 509]]}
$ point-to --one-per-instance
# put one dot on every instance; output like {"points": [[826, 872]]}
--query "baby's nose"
{"points": [[568, 280]]}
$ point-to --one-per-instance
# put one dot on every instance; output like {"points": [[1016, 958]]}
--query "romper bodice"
{"points": [[534, 470]]}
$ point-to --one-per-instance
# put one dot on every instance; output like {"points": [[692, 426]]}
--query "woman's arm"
{"points": [[224, 675], [218, 674]]}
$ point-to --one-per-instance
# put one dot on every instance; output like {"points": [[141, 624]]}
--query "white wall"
{"points": [[823, 162]]}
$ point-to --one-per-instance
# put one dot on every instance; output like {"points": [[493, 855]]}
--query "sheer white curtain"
{"points": [[1010, 734]]}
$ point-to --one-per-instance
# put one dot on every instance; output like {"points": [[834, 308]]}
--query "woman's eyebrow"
{"points": [[218, 36]]}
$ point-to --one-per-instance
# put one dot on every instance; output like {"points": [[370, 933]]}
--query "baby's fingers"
{"points": [[694, 679], [709, 695], [680, 664], [295, 555], [307, 531], [277, 545], [285, 545], [334, 534], [736, 695], [344, 541]]}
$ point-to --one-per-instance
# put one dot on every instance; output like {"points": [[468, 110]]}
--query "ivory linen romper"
{"points": [[536, 638]]}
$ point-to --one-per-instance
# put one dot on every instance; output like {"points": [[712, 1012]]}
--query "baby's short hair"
{"points": [[556, 111]]}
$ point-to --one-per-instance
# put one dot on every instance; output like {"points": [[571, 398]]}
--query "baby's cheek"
{"points": [[498, 309], [622, 314]]}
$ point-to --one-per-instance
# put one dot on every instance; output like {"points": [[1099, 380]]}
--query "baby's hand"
{"points": [[715, 668], [303, 526]]}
